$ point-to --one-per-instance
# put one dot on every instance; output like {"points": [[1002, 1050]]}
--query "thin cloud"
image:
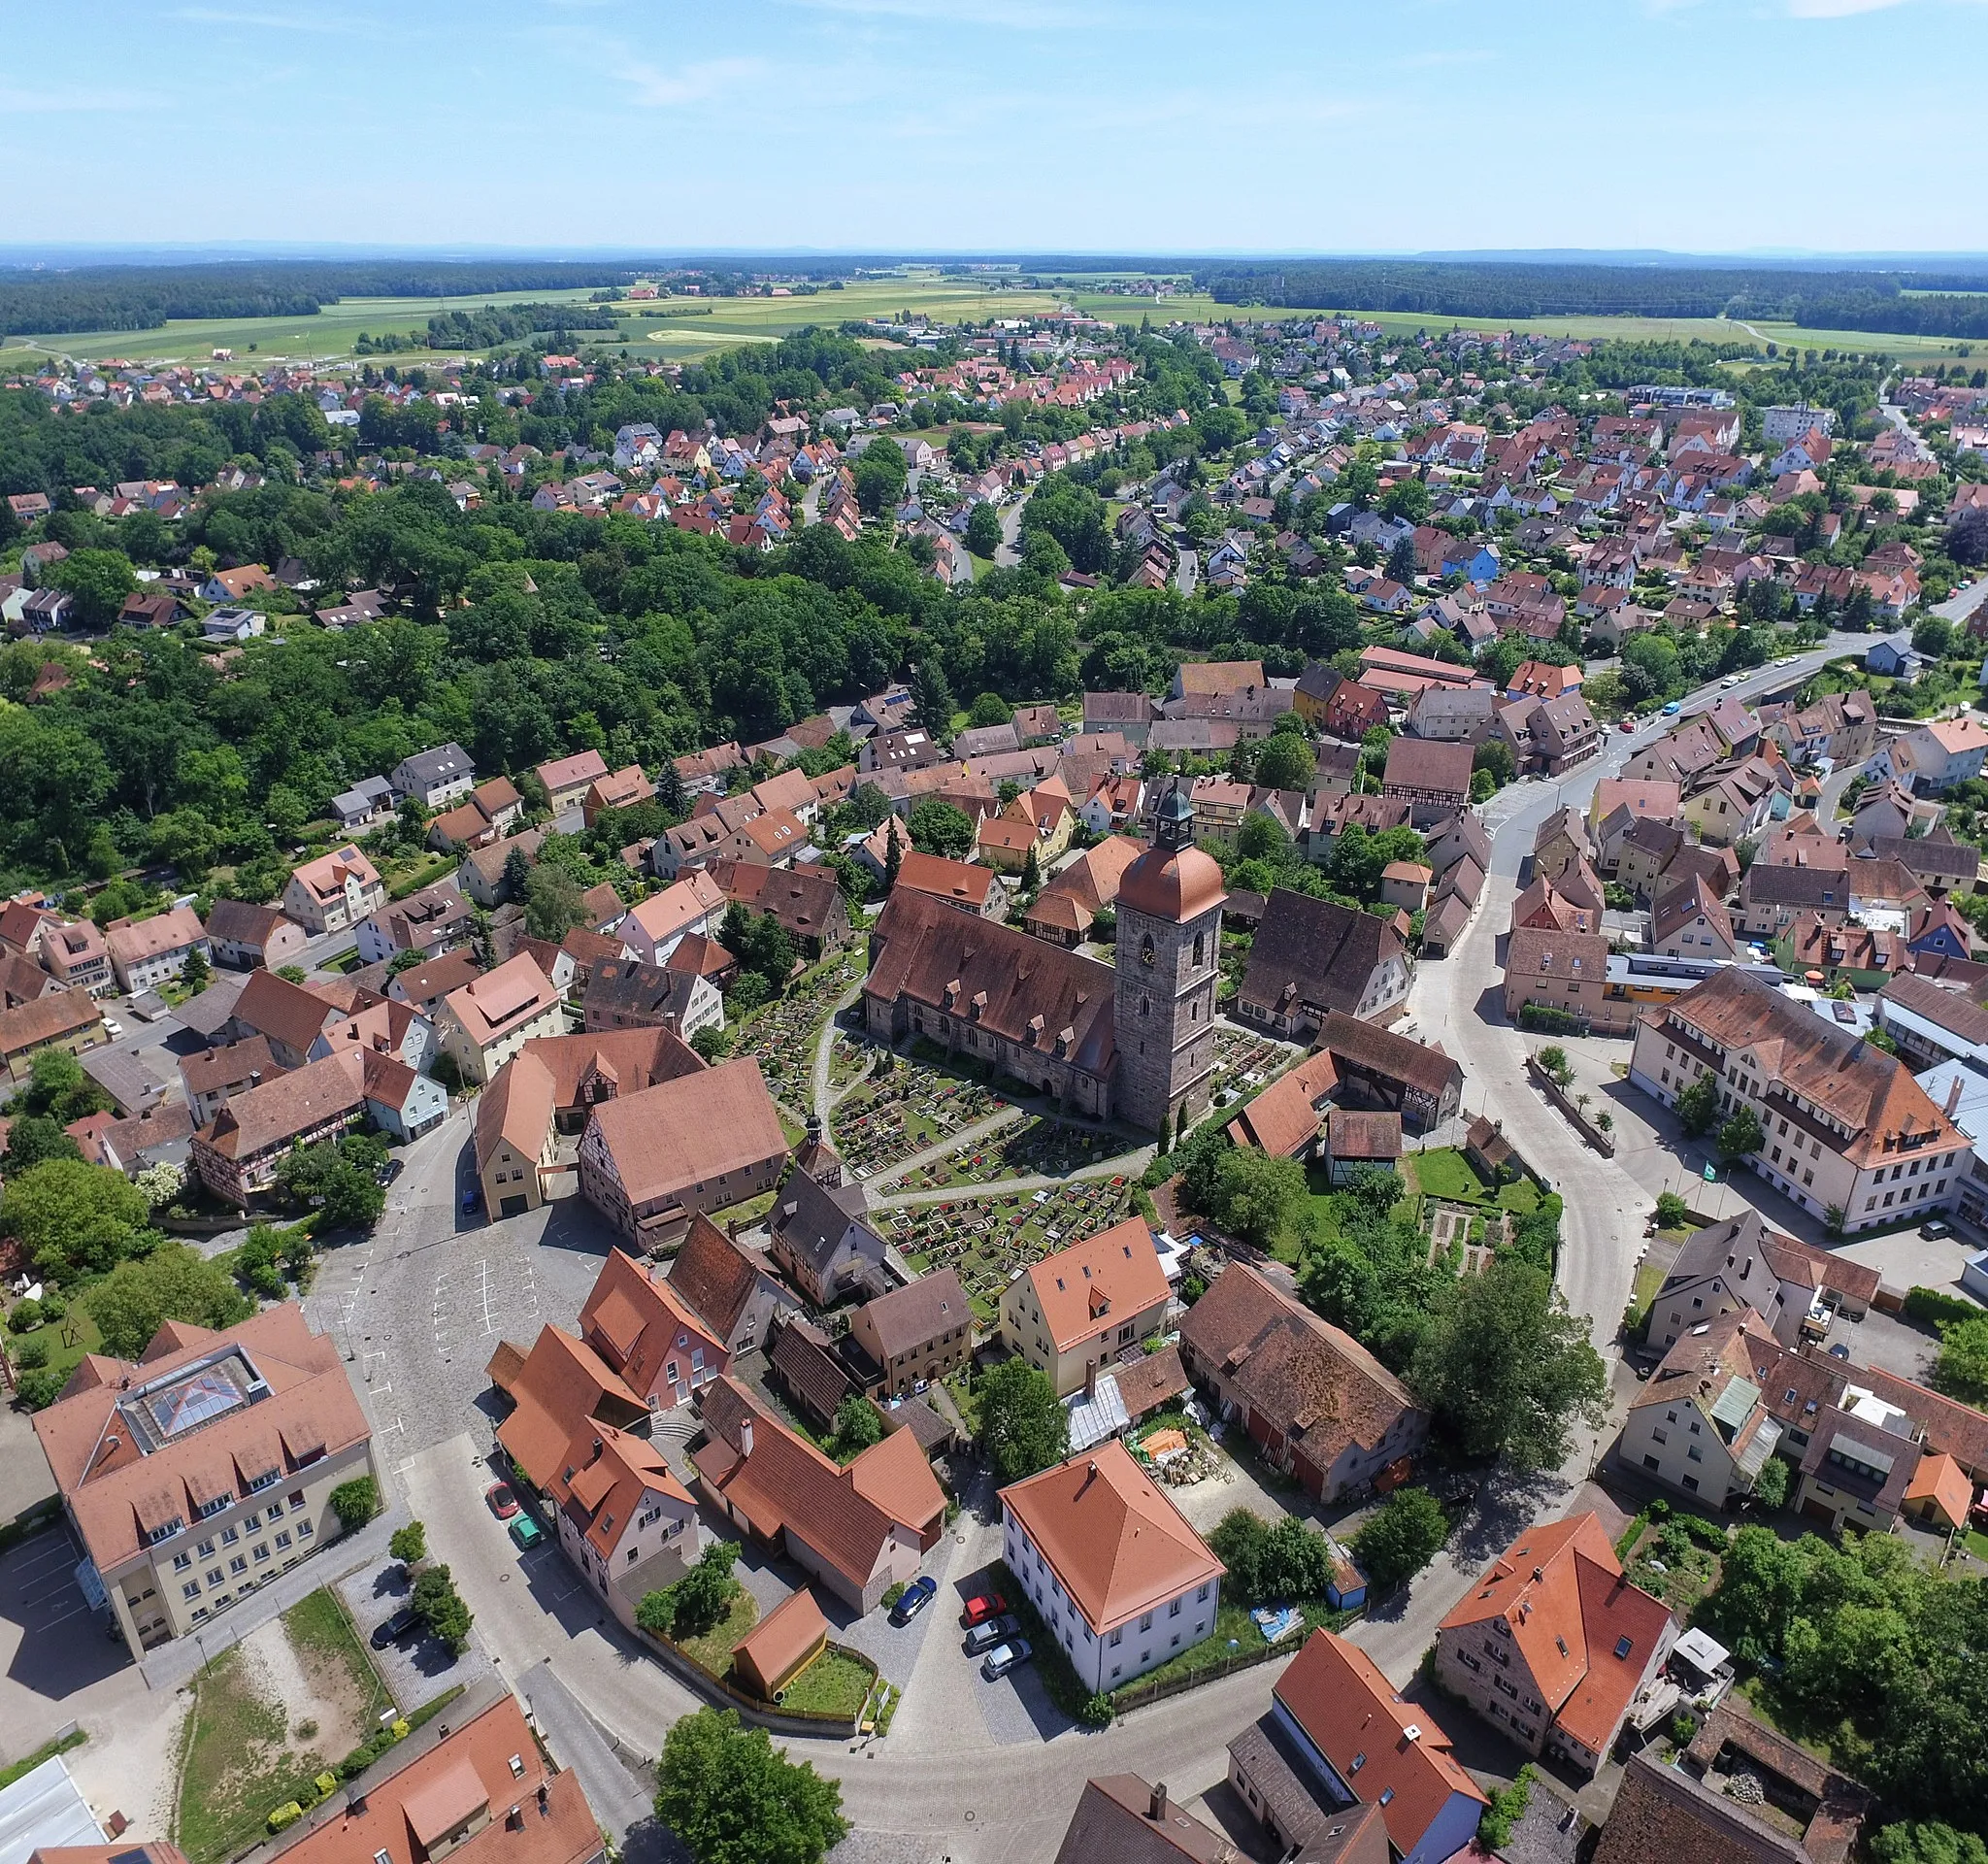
{"points": [[263, 21], [1010, 14], [660, 90], [70, 100], [1837, 9], [1432, 60]]}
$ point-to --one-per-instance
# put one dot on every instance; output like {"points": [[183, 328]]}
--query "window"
{"points": [[262, 1551], [1387, 1795], [1359, 1761], [190, 1590], [1201, 1597], [239, 1564], [305, 1530], [1623, 1645], [206, 1550], [283, 1539], [1145, 1621], [182, 1561], [230, 1536], [214, 1576], [1174, 1609]]}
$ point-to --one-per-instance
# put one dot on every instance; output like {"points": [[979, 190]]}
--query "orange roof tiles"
{"points": [[1118, 1545], [1095, 1285]]}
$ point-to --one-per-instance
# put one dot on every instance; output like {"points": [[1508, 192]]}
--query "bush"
{"points": [[31, 1354], [1285, 1563], [1097, 1712], [410, 1544], [355, 1503], [893, 1592], [1929, 1307], [1683, 1728], [1550, 1020], [1771, 1486], [38, 1390], [1506, 1808], [27, 1315], [1673, 1213]]}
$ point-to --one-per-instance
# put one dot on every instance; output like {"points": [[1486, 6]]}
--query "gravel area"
{"points": [[419, 1669]]}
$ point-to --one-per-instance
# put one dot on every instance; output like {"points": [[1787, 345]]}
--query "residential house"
{"points": [[1555, 1645], [729, 1287], [426, 987], [818, 1235], [1311, 957], [333, 893], [1432, 777], [1394, 1072], [913, 1334], [1288, 1117], [237, 1156], [1741, 1265], [569, 778], [479, 820], [1314, 1401], [1338, 1736], [1933, 758], [971, 889], [1691, 921], [435, 778], [653, 928], [1117, 1575], [624, 993], [211, 1077], [1065, 909], [245, 935], [429, 923], [1565, 971], [290, 1016], [370, 800], [808, 903], [147, 952], [194, 1477], [66, 1019], [488, 1019], [1074, 1311], [1664, 1812], [857, 1529]]}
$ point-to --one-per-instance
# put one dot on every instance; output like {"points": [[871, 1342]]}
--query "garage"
{"points": [[515, 1206]]}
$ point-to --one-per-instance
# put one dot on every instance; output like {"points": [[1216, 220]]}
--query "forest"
{"points": [[1822, 300]]}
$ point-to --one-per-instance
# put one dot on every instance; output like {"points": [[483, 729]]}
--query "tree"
{"points": [[940, 827], [196, 974], [1407, 499], [71, 1218], [1673, 1213], [1288, 1562], [893, 854], [989, 708], [1023, 1427], [984, 529], [1031, 870], [1507, 1371], [1962, 1369], [734, 1798], [553, 903], [1257, 1198], [174, 1283], [931, 696], [1933, 1842], [1698, 1106], [408, 1545], [1495, 759], [1740, 1135], [1771, 1486], [1285, 761], [348, 1196], [1401, 1538], [357, 1502], [856, 1426], [31, 1139], [97, 581], [439, 1606]]}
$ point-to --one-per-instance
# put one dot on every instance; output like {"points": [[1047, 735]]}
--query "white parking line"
{"points": [[489, 1320]]}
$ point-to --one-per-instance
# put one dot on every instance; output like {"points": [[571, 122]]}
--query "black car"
{"points": [[391, 1170], [914, 1599], [398, 1629]]}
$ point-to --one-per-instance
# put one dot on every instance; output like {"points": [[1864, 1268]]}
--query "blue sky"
{"points": [[1095, 125]]}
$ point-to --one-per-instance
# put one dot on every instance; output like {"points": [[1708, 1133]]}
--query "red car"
{"points": [[989, 1605], [503, 1503]]}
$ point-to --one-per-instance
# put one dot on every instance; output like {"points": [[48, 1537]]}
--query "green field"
{"points": [[684, 329]]}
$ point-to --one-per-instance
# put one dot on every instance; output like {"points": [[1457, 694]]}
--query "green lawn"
{"points": [[832, 1685], [1444, 1171], [241, 1757], [67, 1339], [713, 1650]]}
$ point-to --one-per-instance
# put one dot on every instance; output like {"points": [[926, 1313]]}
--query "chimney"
{"points": [[745, 1437], [1953, 1097], [1156, 1803], [1090, 1378], [255, 1077]]}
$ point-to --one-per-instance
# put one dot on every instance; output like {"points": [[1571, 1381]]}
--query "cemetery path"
{"points": [[823, 1097], [1126, 1164]]}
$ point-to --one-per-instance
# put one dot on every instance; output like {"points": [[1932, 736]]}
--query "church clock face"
{"points": [[1146, 950]]}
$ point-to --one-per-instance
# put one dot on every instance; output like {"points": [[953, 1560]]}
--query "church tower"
{"points": [[1169, 959]]}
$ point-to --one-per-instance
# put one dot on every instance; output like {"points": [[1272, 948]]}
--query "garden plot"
{"points": [[893, 1118], [984, 1240], [1040, 1148], [1464, 1236]]}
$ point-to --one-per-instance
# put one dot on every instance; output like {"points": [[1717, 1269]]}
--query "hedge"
{"points": [[1932, 1307]]}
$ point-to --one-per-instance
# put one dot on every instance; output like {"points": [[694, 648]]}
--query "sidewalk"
{"points": [[620, 1807]]}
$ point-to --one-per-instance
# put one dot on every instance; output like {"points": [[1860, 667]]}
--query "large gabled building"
{"points": [[198, 1475], [1845, 1129]]}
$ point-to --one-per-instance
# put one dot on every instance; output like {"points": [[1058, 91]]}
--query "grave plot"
{"points": [[1244, 1061], [986, 1239], [888, 1119], [781, 1037], [1041, 1147]]}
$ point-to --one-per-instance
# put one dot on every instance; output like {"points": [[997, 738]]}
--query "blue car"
{"points": [[471, 1198], [914, 1599], [1673, 707]]}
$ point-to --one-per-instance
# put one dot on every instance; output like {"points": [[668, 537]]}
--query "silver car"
{"points": [[985, 1637], [1006, 1657]]}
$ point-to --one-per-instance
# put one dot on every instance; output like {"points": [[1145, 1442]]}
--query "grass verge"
{"points": [[835, 1684], [47, 1752]]}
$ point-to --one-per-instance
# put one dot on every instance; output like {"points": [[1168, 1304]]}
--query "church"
{"points": [[1132, 1042]]}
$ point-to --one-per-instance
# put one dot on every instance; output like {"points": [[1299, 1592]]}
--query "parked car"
{"points": [[1006, 1657], [391, 1170], [1936, 1229], [984, 1606], [471, 1198], [1839, 1351], [1628, 724], [1672, 709], [526, 1532], [1730, 681], [503, 1503], [990, 1632], [112, 1027], [398, 1629], [914, 1599]]}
